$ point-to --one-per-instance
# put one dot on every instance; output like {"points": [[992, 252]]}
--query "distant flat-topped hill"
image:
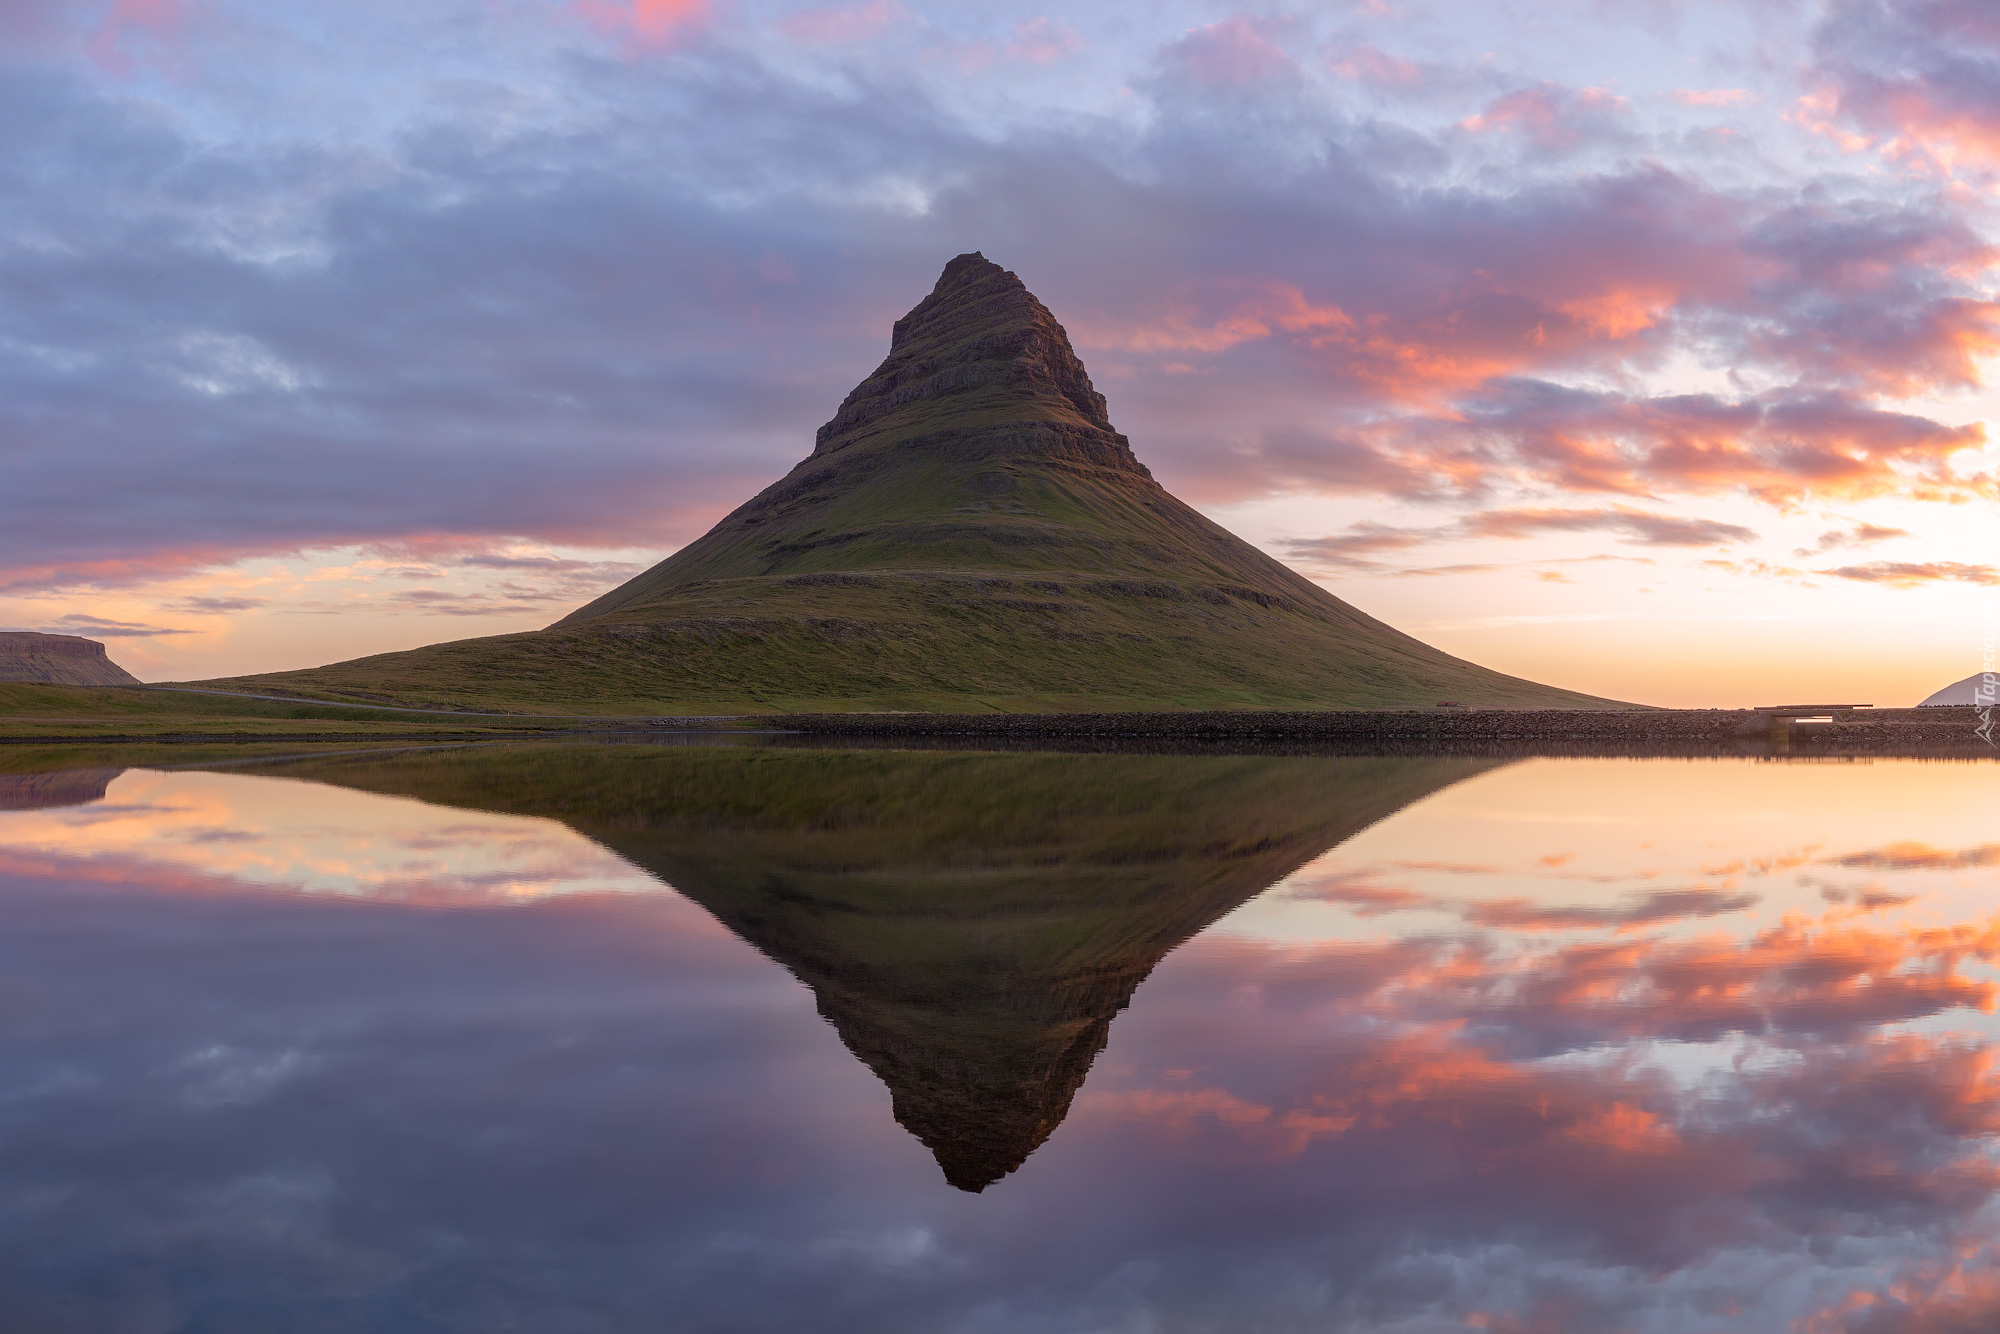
{"points": [[65, 660], [969, 532]]}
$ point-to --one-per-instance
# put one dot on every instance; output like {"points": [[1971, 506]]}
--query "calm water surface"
{"points": [[753, 1039]]}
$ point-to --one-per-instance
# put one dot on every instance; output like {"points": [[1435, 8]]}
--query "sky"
{"points": [[1636, 346]]}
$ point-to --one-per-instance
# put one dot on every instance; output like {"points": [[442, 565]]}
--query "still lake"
{"points": [[757, 1038]]}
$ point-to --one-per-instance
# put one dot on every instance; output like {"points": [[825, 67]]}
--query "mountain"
{"points": [[969, 532], [1962, 692], [66, 660], [969, 923]]}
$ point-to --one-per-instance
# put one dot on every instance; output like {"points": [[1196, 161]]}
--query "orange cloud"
{"points": [[1620, 312], [1922, 857], [1711, 97], [1914, 574], [1264, 310], [1912, 80]]}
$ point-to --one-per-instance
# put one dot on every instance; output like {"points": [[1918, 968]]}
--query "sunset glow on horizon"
{"points": [[1643, 349]]}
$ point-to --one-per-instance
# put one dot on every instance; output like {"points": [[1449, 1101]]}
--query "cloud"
{"points": [[1861, 535], [1755, 568], [218, 605], [1922, 857], [645, 23], [27, 24], [135, 31], [1235, 55], [1779, 448], [1645, 910], [1043, 41], [1711, 97], [608, 326], [1446, 571], [1363, 891], [1351, 549], [76, 623], [1370, 64], [1660, 530], [840, 24], [1912, 574], [1362, 538], [1552, 118], [1912, 79]]}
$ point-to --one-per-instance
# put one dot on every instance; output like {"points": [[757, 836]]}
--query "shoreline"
{"points": [[1938, 732]]}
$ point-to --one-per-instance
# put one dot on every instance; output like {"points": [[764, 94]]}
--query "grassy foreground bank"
{"points": [[31, 711]]}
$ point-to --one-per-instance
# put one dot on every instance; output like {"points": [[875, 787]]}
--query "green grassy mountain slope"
{"points": [[969, 532], [969, 923]]}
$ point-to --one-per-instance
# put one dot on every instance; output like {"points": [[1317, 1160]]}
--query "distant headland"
{"points": [[66, 660]]}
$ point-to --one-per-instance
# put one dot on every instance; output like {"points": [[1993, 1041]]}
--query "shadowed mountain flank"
{"points": [[969, 532], [968, 923]]}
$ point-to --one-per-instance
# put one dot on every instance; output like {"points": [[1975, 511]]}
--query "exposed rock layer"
{"points": [[68, 660]]}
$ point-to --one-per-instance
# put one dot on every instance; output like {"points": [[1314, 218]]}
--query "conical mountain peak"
{"points": [[969, 531], [979, 349]]}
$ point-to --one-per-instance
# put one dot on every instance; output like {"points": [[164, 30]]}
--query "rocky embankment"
{"points": [[64, 660], [1556, 731]]}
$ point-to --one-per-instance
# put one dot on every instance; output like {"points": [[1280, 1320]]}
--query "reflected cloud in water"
{"points": [[1392, 1045], [284, 833]]}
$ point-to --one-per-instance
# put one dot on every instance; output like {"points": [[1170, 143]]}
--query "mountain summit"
{"points": [[979, 444], [969, 532]]}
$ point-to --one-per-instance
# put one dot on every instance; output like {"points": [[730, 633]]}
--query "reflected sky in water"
{"points": [[1560, 1045]]}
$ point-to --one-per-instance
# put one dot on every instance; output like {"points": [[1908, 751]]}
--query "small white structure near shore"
{"points": [[1962, 692]]}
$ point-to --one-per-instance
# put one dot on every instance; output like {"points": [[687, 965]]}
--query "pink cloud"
{"points": [[1551, 117], [1235, 54], [1911, 79], [646, 23], [135, 30], [1371, 64]]}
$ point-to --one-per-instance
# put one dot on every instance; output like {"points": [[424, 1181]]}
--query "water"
{"points": [[753, 1038]]}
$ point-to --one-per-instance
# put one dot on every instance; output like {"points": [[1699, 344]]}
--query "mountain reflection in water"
{"points": [[1564, 1045]]}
